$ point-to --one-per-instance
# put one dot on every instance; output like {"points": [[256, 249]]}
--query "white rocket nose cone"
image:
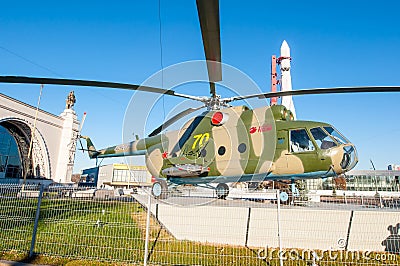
{"points": [[285, 50]]}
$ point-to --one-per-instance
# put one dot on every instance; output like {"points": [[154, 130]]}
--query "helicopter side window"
{"points": [[323, 140], [300, 141]]}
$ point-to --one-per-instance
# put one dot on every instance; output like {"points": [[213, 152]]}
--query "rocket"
{"points": [[286, 79]]}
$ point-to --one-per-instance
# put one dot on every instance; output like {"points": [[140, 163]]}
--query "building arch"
{"points": [[39, 164]]}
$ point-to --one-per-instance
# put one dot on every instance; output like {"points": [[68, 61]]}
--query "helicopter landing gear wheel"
{"points": [[159, 190], [222, 191]]}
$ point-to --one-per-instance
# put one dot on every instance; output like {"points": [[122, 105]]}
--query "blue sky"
{"points": [[333, 43]]}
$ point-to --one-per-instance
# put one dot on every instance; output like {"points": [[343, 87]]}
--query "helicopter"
{"points": [[238, 144], [228, 143]]}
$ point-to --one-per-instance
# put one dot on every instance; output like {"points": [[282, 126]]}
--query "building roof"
{"points": [[373, 173]]}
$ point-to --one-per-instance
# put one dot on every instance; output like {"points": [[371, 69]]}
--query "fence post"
{"points": [[35, 226], [278, 203], [146, 244], [247, 227], [349, 229]]}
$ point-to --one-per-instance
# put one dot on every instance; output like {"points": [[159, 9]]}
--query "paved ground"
{"points": [[195, 201], [206, 197]]}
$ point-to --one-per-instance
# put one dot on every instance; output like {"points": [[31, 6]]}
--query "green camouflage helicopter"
{"points": [[237, 144], [230, 143]]}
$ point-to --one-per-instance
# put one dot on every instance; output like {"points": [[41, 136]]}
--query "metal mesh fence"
{"points": [[88, 229], [192, 227], [78, 224], [17, 215]]}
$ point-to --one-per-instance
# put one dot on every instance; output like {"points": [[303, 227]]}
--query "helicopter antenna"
{"points": [[79, 131], [32, 138]]}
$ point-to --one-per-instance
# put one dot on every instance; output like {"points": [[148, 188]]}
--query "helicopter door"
{"points": [[282, 145], [302, 156]]}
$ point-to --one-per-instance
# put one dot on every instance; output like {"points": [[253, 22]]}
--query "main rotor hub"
{"points": [[215, 102]]}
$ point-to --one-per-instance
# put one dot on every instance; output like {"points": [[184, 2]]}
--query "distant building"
{"points": [[89, 177], [116, 176], [394, 167], [361, 180]]}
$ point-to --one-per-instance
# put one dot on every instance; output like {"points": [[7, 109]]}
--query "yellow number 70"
{"points": [[200, 139]]}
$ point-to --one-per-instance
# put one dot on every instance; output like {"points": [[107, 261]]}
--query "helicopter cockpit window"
{"points": [[300, 141], [336, 135], [323, 140]]}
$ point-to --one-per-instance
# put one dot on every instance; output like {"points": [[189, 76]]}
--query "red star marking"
{"points": [[253, 130], [164, 155]]}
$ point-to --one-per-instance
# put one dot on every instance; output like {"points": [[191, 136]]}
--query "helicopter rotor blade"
{"points": [[173, 120], [315, 91], [93, 83], [208, 11]]}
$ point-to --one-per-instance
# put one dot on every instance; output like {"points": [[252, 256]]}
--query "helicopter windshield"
{"points": [[336, 135], [323, 140]]}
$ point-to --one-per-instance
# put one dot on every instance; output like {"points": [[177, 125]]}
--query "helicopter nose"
{"points": [[349, 159]]}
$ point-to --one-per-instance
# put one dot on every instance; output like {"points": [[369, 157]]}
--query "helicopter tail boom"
{"points": [[134, 148]]}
